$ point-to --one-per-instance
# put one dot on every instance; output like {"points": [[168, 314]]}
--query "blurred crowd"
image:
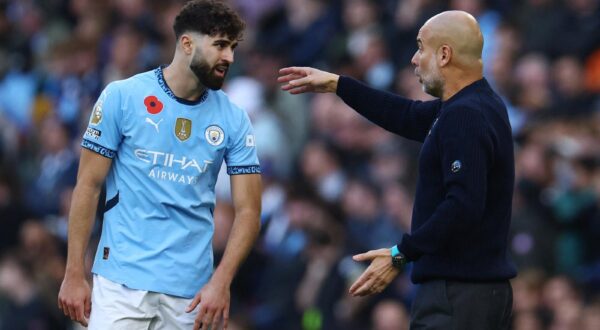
{"points": [[334, 184]]}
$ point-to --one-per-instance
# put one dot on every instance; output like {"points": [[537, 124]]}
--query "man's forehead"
{"points": [[424, 33], [215, 37]]}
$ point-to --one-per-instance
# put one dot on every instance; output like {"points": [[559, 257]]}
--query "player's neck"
{"points": [[457, 82], [183, 82]]}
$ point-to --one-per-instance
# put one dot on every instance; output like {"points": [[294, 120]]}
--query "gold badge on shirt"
{"points": [[183, 129], [96, 114]]}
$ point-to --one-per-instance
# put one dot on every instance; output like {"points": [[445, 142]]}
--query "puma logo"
{"points": [[149, 121]]}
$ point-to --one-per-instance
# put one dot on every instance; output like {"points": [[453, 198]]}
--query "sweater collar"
{"points": [[469, 89]]}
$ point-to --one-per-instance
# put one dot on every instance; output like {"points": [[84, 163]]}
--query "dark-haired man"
{"points": [[159, 138]]}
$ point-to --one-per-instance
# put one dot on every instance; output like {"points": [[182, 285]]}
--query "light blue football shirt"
{"points": [[158, 225]]}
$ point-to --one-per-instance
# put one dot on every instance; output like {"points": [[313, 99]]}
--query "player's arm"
{"points": [[75, 297], [465, 140], [409, 118], [246, 190]]}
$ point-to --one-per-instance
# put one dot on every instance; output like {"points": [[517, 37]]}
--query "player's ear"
{"points": [[444, 55], [186, 43]]}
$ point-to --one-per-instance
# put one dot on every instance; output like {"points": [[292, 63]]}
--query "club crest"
{"points": [[456, 166], [214, 135], [183, 129]]}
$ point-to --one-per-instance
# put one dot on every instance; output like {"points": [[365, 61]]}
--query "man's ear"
{"points": [[186, 43], [444, 55]]}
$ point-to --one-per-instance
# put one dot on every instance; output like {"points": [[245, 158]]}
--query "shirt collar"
{"points": [[163, 84]]}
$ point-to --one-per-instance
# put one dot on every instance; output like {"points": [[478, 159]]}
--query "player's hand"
{"points": [[299, 80], [214, 300], [75, 299], [377, 276]]}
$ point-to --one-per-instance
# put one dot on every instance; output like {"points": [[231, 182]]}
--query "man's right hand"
{"points": [[299, 80], [75, 299]]}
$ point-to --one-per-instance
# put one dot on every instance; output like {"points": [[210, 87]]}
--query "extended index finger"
{"points": [[291, 69]]}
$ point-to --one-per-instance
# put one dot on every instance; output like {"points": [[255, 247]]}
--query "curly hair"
{"points": [[210, 17]]}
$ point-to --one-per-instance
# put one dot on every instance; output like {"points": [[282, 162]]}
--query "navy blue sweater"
{"points": [[462, 209]]}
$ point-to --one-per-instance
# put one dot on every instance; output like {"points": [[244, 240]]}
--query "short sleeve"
{"points": [[241, 156], [103, 133]]}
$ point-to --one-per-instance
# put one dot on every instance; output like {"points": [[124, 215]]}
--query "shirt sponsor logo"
{"points": [[92, 133], [214, 135], [170, 160], [172, 164]]}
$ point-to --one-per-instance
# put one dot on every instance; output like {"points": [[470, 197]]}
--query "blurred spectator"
{"points": [[273, 152], [11, 209], [390, 315], [527, 321], [125, 54], [591, 316], [24, 308], [571, 97], [321, 167], [398, 202], [56, 166], [301, 28], [363, 210], [533, 83], [562, 300], [527, 288], [288, 108], [539, 23]]}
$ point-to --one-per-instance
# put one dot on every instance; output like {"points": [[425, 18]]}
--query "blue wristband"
{"points": [[395, 251]]}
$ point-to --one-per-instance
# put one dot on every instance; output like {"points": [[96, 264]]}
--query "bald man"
{"points": [[462, 209]]}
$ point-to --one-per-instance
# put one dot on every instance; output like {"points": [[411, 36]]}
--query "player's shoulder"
{"points": [[227, 107], [134, 82]]}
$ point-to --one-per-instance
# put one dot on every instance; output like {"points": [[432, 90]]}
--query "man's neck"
{"points": [[182, 81], [453, 86]]}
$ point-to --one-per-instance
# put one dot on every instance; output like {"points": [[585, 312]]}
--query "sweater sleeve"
{"points": [[405, 117], [466, 148]]}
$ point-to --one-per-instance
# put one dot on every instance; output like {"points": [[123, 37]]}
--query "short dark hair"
{"points": [[210, 17]]}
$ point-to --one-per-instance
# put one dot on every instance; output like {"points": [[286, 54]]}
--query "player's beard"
{"points": [[206, 74], [433, 84]]}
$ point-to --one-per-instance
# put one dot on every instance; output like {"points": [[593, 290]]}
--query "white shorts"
{"points": [[114, 306]]}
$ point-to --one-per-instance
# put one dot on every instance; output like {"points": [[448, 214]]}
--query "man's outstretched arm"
{"points": [[409, 118], [214, 297], [74, 297]]}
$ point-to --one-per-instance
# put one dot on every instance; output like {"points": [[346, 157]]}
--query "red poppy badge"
{"points": [[153, 104]]}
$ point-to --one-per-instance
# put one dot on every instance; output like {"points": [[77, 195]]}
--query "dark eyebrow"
{"points": [[233, 43]]}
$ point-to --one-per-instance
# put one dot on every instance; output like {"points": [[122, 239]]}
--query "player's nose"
{"points": [[227, 55], [414, 59]]}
